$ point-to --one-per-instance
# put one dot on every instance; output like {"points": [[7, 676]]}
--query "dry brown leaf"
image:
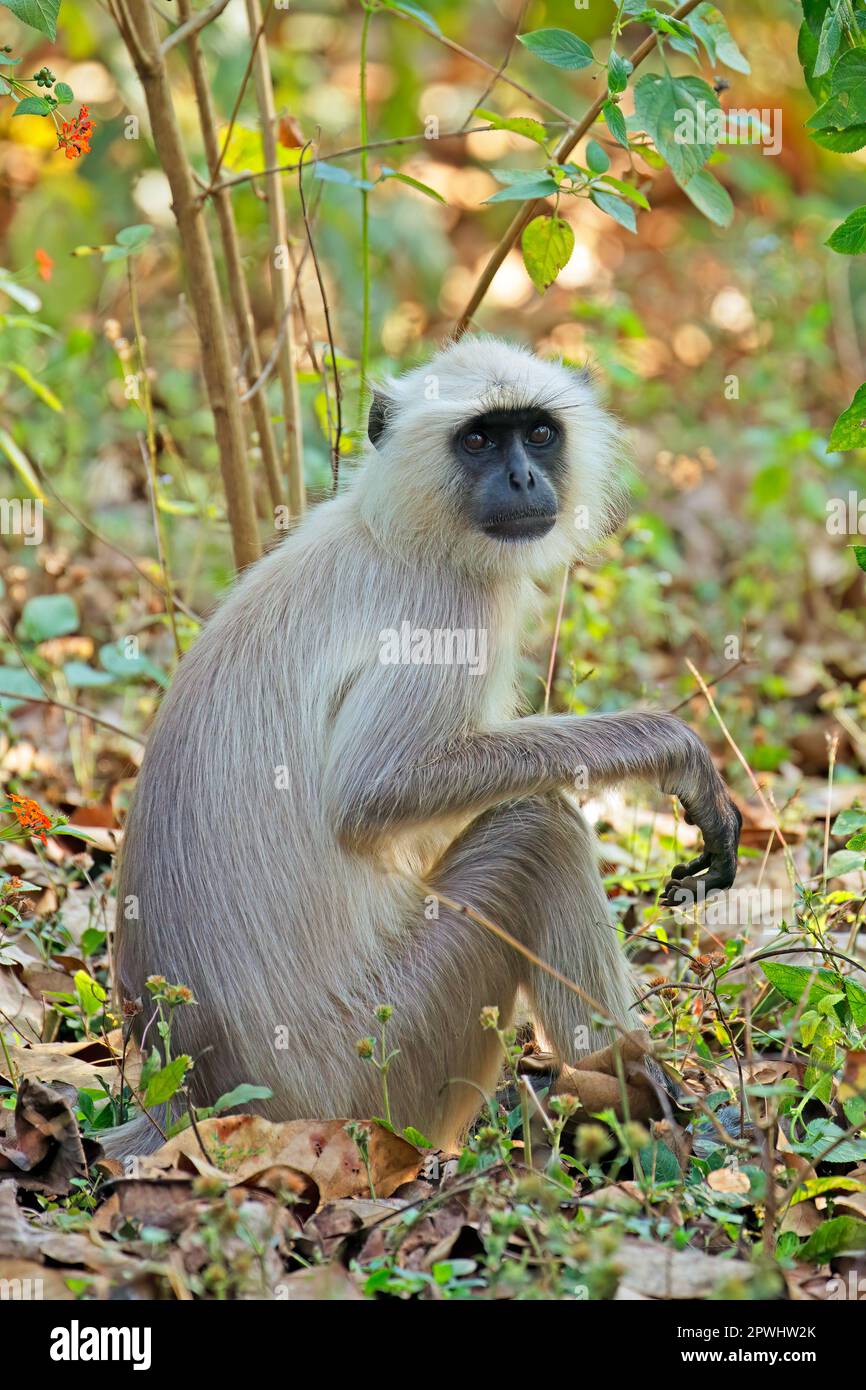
{"points": [[595, 1080], [42, 1148], [728, 1180], [658, 1271], [241, 1146]]}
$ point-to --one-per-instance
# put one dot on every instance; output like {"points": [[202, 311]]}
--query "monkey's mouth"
{"points": [[528, 525]]}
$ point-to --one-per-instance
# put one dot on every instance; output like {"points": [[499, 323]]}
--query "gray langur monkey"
{"points": [[345, 726]]}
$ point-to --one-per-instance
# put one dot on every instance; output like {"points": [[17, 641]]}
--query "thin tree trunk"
{"points": [[279, 264], [138, 27], [244, 322]]}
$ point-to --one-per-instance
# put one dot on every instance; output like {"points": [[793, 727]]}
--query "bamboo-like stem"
{"points": [[139, 25], [279, 263], [149, 456], [238, 289], [521, 220]]}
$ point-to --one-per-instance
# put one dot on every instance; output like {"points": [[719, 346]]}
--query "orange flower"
{"points": [[74, 136], [44, 263], [30, 816]]}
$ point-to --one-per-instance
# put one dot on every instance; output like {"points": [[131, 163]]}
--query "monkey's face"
{"points": [[510, 461], [499, 460]]}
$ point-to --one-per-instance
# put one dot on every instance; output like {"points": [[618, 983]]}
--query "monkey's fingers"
{"points": [[682, 892], [694, 866]]}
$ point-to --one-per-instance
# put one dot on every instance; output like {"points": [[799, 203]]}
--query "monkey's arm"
{"points": [[384, 780]]}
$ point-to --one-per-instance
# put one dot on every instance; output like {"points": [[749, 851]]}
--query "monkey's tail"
{"points": [[138, 1136]]}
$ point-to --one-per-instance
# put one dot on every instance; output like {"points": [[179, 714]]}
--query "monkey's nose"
{"points": [[517, 480]]}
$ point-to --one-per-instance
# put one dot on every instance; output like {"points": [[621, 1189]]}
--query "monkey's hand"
{"points": [[719, 821]]}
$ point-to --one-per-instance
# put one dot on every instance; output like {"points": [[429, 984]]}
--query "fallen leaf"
{"points": [[240, 1146]]}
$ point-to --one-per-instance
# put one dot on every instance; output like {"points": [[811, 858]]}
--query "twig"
{"points": [[73, 709], [740, 758], [241, 305], [193, 24], [113, 545], [555, 643], [338, 393], [238, 99], [500, 71], [277, 223], [483, 63], [148, 454], [350, 150], [568, 142], [687, 699]]}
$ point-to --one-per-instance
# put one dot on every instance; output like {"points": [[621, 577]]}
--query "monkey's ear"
{"points": [[378, 417]]}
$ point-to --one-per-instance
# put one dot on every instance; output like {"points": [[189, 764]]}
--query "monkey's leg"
{"points": [[529, 866]]}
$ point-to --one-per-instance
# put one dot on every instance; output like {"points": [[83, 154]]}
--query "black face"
{"points": [[511, 460]]}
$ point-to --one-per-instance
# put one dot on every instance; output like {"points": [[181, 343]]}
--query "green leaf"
{"points": [[621, 212], [618, 72], [627, 190], [80, 676], [241, 1095], [333, 173], [405, 7], [791, 980], [37, 387], [659, 1163], [828, 43], [520, 125], [849, 238], [414, 1136], [708, 24], [848, 821], [840, 1235], [841, 141], [672, 111], [412, 183], [846, 104], [21, 463], [559, 48], [39, 14], [615, 122], [860, 555], [63, 93], [710, 197], [597, 158], [857, 841], [525, 190], [115, 659], [133, 238], [848, 431], [167, 1080], [820, 1134], [33, 106], [91, 995], [19, 682], [48, 615], [844, 861], [547, 246], [807, 52]]}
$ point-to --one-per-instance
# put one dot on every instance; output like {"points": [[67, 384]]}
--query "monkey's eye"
{"points": [[475, 441], [540, 434]]}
